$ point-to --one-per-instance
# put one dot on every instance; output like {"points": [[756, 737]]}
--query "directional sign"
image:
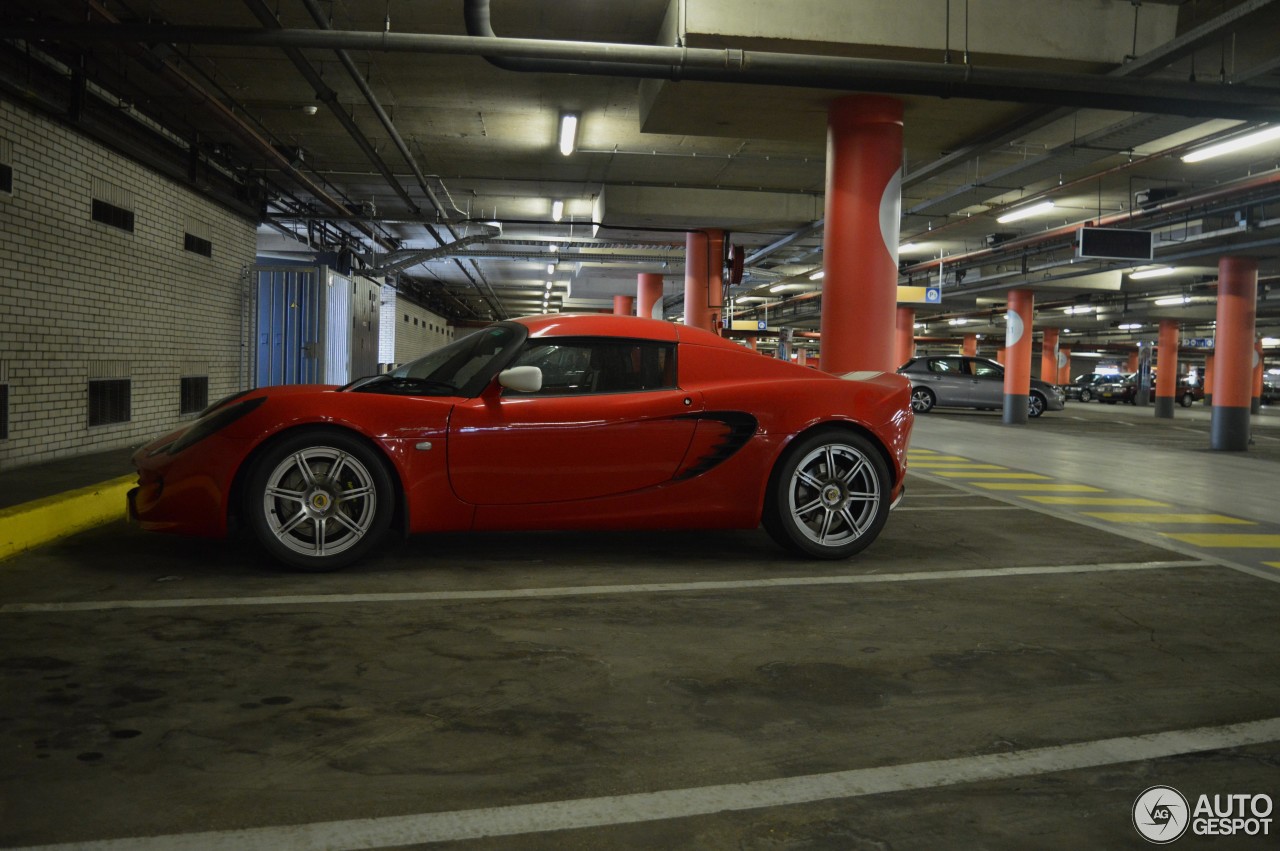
{"points": [[928, 295]]}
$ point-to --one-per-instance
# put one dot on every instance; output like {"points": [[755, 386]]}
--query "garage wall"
{"points": [[417, 331], [83, 299]]}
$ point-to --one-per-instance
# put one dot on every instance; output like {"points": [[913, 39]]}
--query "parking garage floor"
{"points": [[1058, 617]]}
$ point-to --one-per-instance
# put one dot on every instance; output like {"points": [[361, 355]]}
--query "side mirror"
{"points": [[524, 379]]}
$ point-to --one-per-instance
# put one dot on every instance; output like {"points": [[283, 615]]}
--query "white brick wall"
{"points": [[417, 330], [75, 293]]}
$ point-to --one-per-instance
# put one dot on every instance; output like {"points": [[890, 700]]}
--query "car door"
{"points": [[946, 378], [986, 386], [609, 419]]}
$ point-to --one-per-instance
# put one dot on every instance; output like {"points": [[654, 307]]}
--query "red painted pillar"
{"points": [[703, 285], [1233, 349], [624, 305], [1256, 405], [904, 347], [1064, 365], [1133, 362], [1017, 365], [649, 295], [970, 346], [1167, 374], [1208, 379], [860, 248], [1049, 356]]}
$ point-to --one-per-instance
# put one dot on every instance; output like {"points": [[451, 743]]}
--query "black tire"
{"points": [[922, 400], [1035, 404], [1086, 395], [1186, 400], [319, 499], [829, 495]]}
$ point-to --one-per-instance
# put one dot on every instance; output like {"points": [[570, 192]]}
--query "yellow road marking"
{"points": [[1018, 486], [34, 523], [954, 465], [945, 458], [1100, 500], [1149, 517], [966, 474], [1197, 539], [1272, 563]]}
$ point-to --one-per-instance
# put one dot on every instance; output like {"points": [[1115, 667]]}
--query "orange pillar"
{"points": [[703, 285], [970, 346], [1064, 365], [905, 340], [1256, 405], [1134, 359], [1167, 373], [649, 295], [1017, 365], [1208, 379], [860, 248], [624, 305], [1049, 356], [1233, 349]]}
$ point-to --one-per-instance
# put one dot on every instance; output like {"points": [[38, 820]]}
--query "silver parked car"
{"points": [[960, 381]]}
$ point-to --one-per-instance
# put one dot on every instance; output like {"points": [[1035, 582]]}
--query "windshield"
{"points": [[462, 368]]}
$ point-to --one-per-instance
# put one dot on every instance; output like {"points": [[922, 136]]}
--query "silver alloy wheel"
{"points": [[833, 495], [921, 400], [1035, 405], [319, 501]]}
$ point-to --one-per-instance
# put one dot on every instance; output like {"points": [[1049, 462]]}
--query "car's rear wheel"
{"points": [[1086, 395], [1186, 400], [829, 495], [922, 400], [1035, 404], [319, 499]]}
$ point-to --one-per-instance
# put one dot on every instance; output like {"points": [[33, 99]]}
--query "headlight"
{"points": [[207, 425]]}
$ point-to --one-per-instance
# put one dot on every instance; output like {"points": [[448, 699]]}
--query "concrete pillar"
{"points": [[970, 346], [1017, 365], [1064, 365], [703, 281], [1167, 372], [1049, 356], [624, 305], [1256, 405], [860, 248], [904, 348], [1208, 379], [1233, 350], [649, 295]]}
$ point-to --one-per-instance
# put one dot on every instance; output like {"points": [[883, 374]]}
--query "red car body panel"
{"points": [[628, 460]]}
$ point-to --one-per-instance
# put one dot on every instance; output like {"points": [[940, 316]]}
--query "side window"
{"points": [[946, 365], [578, 367], [984, 369]]}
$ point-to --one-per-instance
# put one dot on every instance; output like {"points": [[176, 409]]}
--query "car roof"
{"points": [[613, 325]]}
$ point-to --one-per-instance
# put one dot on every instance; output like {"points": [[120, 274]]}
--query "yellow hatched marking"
{"points": [[945, 458], [922, 452], [1100, 500], [965, 474], [1206, 539], [1272, 563], [1029, 486], [1146, 517], [954, 465]]}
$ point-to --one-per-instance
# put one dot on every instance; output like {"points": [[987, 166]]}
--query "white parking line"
{"points": [[394, 831], [590, 590]]}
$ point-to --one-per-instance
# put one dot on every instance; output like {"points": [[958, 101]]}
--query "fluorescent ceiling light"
{"points": [[1079, 308], [1175, 299], [1033, 210], [958, 321], [1131, 326], [907, 247], [549, 285], [557, 210], [568, 132], [1239, 143], [817, 276], [1159, 272], [551, 268], [1270, 341]]}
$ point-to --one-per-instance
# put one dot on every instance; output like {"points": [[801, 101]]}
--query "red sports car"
{"points": [[548, 422]]}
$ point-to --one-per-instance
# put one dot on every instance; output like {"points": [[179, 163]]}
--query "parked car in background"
{"points": [[546, 422], [1270, 393], [1124, 388], [961, 381], [1085, 387]]}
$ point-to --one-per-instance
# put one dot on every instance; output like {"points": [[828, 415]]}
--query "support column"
{"points": [[905, 340], [649, 295], [1208, 379], [1049, 356], [1133, 361], [624, 305], [860, 248], [1256, 405], [1064, 365], [1233, 351], [1167, 372], [1017, 347], [703, 284], [970, 346]]}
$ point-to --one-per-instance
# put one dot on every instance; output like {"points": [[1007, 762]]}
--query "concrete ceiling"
{"points": [[1043, 108]]}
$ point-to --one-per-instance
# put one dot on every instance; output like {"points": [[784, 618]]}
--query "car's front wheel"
{"points": [[319, 499], [1035, 404], [1086, 395], [922, 400], [1186, 400], [829, 495]]}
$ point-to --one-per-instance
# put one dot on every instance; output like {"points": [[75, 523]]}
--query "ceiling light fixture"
{"points": [[1159, 272], [1175, 299], [908, 247], [1131, 326], [1079, 308], [1239, 143], [568, 132], [817, 276], [557, 210], [1025, 212], [551, 268]]}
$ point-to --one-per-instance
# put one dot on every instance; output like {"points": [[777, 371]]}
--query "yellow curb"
{"points": [[43, 520]]}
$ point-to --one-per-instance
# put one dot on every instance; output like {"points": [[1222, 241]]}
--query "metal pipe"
{"points": [[740, 66]]}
